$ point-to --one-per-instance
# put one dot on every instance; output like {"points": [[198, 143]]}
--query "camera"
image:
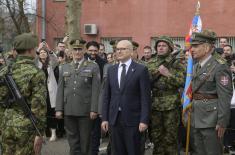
{"points": [[61, 54]]}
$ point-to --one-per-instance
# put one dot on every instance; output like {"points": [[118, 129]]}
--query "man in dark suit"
{"points": [[126, 103]]}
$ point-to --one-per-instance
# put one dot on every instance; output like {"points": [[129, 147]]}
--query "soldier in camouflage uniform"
{"points": [[18, 134], [166, 98], [212, 93]]}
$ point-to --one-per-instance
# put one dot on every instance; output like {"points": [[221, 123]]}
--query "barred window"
{"points": [[106, 40]]}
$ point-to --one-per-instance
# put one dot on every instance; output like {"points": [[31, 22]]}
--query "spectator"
{"points": [[147, 53], [102, 52], [60, 47], [52, 74], [222, 42], [92, 51], [110, 58], [227, 51]]}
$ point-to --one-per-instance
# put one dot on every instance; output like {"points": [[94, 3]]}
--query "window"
{"points": [[106, 40]]}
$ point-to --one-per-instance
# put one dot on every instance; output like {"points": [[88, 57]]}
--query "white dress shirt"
{"points": [[127, 63]]}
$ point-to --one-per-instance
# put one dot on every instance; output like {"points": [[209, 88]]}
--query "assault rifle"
{"points": [[167, 64]]}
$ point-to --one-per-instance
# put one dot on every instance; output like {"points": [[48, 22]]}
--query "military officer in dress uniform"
{"points": [[212, 93], [77, 98]]}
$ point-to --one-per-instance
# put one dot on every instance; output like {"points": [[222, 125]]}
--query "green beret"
{"points": [[25, 41], [135, 45], [77, 43], [206, 36], [167, 40], [113, 43]]}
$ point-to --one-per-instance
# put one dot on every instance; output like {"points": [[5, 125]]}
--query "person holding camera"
{"points": [[52, 75]]}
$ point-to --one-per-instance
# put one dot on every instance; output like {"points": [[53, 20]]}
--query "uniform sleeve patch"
{"points": [[224, 80]]}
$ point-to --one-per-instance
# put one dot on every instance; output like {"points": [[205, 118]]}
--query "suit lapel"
{"points": [[130, 73]]}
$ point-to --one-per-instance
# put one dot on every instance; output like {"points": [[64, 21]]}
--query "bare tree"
{"points": [[17, 14]]}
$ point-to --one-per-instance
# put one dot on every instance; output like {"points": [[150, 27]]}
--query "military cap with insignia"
{"points": [[206, 36], [135, 45], [77, 43], [165, 39], [25, 41]]}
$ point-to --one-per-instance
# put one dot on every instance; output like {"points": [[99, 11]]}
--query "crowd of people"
{"points": [[84, 91]]}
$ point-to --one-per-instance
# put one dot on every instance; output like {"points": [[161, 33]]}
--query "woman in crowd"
{"points": [[52, 73]]}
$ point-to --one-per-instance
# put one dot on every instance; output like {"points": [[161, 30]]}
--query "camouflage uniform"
{"points": [[165, 106], [18, 133]]}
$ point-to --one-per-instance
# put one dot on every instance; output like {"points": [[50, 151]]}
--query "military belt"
{"points": [[199, 96]]}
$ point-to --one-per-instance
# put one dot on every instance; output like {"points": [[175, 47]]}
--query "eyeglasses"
{"points": [[121, 49]]}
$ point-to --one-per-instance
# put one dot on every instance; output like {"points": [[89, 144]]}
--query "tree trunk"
{"points": [[73, 10], [24, 19], [12, 15]]}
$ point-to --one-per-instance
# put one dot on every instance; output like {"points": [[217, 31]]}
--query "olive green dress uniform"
{"points": [[166, 102], [211, 103], [77, 96], [18, 133]]}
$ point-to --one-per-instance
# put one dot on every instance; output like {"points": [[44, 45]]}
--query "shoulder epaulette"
{"points": [[91, 62], [219, 58]]}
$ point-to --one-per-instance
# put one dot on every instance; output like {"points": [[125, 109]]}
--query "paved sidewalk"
{"points": [[61, 147]]}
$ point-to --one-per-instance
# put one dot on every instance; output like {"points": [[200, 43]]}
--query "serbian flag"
{"points": [[196, 26]]}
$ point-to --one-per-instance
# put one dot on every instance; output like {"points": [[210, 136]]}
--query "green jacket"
{"points": [[78, 89], [212, 112]]}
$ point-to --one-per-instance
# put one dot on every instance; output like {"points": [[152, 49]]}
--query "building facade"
{"points": [[139, 20]]}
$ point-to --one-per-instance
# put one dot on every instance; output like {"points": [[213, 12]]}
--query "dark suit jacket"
{"points": [[133, 98]]}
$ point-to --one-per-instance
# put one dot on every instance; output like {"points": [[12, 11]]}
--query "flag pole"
{"points": [[189, 113], [188, 133]]}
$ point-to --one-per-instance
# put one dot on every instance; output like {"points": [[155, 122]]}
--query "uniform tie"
{"points": [[198, 67], [76, 65], [123, 75]]}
